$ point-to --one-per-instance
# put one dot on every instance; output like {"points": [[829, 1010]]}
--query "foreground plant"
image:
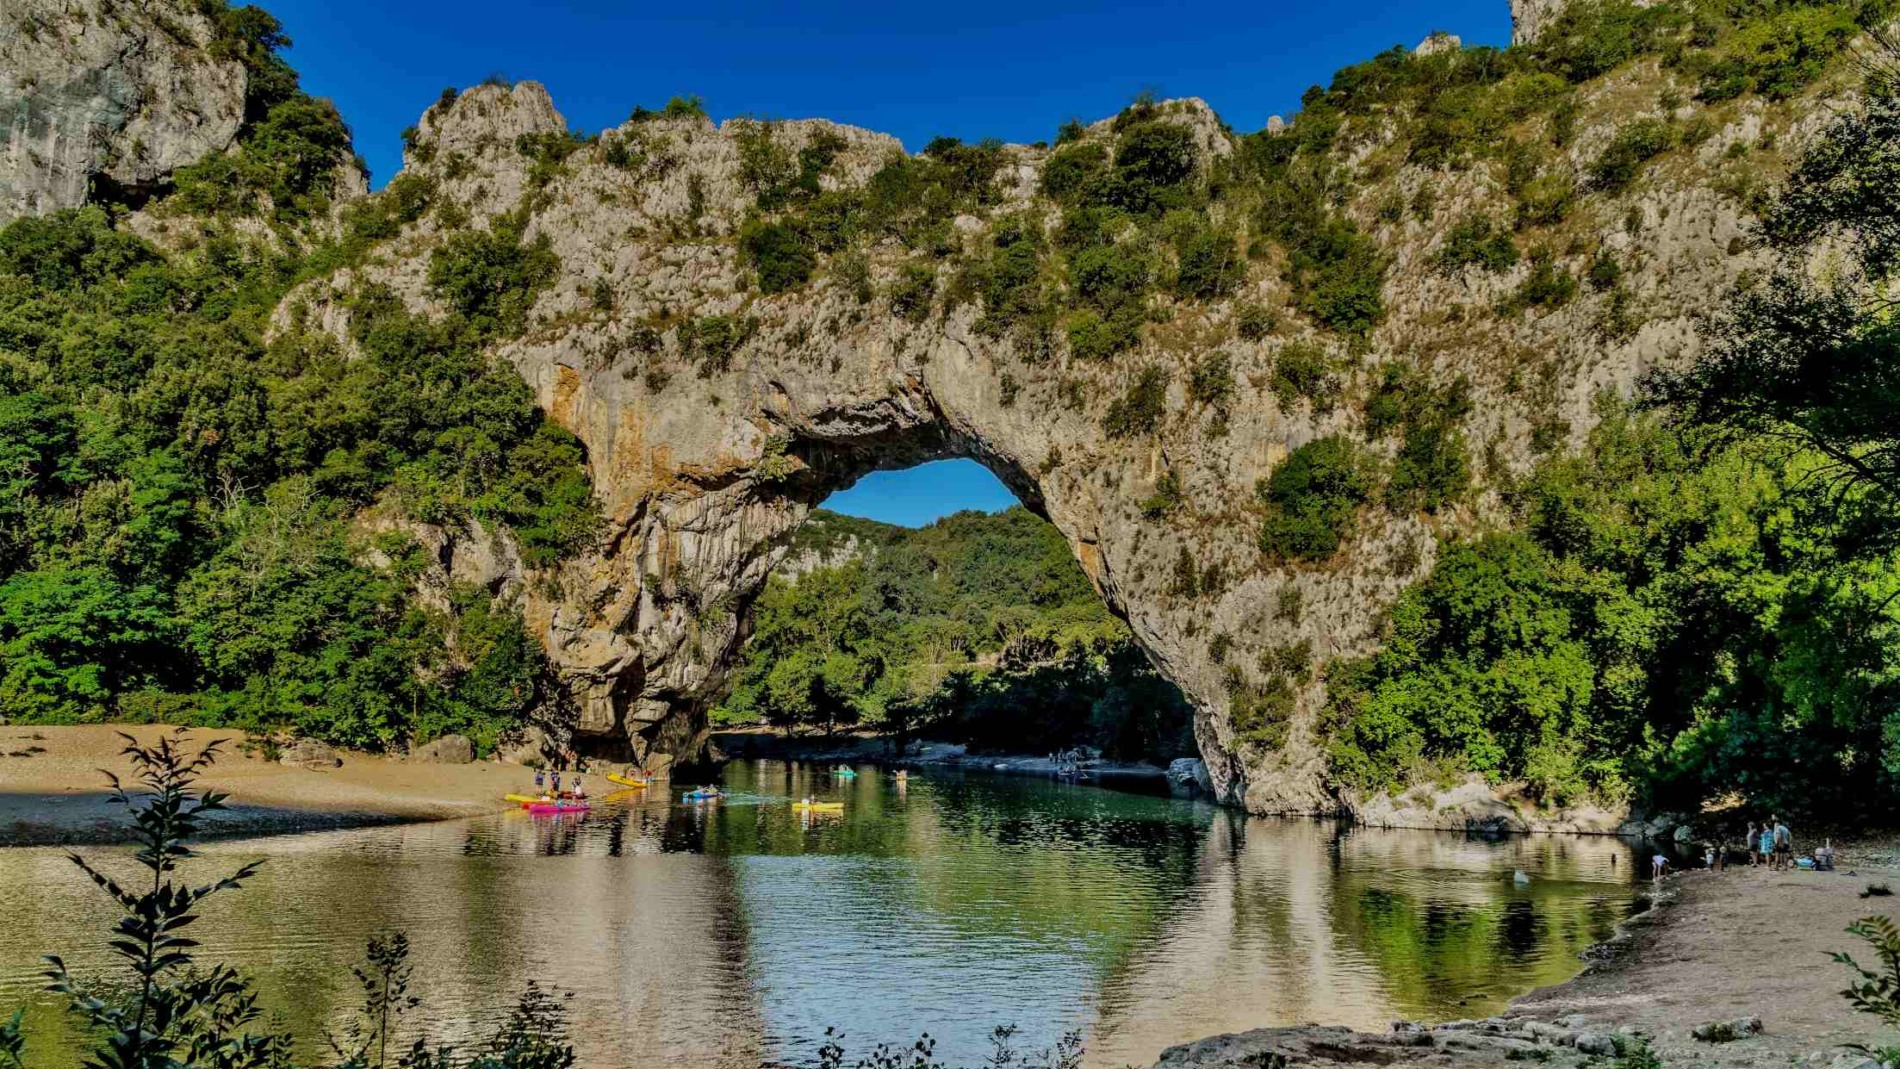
{"points": [[1877, 993], [13, 1040], [176, 1014], [385, 981], [1066, 1054]]}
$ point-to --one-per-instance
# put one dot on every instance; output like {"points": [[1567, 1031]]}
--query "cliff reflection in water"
{"points": [[731, 934]]}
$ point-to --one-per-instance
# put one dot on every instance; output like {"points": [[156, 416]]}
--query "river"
{"points": [[734, 934]]}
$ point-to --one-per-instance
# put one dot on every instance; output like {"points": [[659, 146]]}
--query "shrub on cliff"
{"points": [[1634, 144], [1593, 37], [492, 276], [1154, 166], [778, 254], [1311, 499], [1477, 242], [1073, 174], [1210, 266], [1140, 408], [1337, 273], [1303, 370], [1778, 53]]}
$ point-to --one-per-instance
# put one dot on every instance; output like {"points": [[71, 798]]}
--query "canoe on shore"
{"points": [[627, 781], [546, 808]]}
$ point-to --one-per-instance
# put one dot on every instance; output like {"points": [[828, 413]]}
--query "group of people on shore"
{"points": [[1769, 844]]}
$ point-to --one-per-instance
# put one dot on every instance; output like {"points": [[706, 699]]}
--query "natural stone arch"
{"points": [[706, 455]]}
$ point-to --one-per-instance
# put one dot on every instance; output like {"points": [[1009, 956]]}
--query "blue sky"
{"points": [[918, 495], [972, 69]]}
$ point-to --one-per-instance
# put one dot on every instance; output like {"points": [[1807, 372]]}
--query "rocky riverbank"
{"points": [[1727, 969]]}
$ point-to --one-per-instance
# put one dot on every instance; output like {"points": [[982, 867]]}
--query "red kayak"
{"points": [[556, 807]]}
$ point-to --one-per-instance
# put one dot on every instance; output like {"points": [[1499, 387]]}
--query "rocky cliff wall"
{"points": [[707, 453], [96, 91]]}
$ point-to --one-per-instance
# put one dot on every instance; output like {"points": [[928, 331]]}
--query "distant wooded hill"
{"points": [[978, 628]]}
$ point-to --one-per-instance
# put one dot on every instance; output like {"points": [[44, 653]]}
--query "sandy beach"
{"points": [[1744, 942], [52, 789]]}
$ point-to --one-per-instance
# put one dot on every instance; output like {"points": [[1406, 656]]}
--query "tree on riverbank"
{"points": [[1707, 600], [183, 502]]}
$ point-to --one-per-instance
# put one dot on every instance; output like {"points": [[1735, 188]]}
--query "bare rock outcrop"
{"points": [[96, 93]]}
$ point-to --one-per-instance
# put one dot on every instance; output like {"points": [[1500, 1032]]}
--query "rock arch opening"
{"points": [[971, 627]]}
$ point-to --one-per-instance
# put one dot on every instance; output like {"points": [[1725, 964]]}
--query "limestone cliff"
{"points": [[93, 91], [717, 416]]}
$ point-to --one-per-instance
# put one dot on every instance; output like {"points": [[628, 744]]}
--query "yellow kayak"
{"points": [[819, 807], [524, 799], [626, 781]]}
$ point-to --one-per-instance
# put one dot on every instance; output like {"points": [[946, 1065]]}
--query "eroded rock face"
{"points": [[1529, 17], [93, 90], [707, 457]]}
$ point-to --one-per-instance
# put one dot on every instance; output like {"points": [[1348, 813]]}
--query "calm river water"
{"points": [[734, 934]]}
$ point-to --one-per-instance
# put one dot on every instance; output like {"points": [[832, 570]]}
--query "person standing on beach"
{"points": [[1658, 865], [1766, 844], [1749, 840], [1784, 846]]}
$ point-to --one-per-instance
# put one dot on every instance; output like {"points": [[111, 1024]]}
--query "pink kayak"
{"points": [[556, 807]]}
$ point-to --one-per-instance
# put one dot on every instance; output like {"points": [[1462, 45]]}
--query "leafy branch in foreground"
{"points": [[385, 982], [177, 1014], [13, 1040], [1877, 993]]}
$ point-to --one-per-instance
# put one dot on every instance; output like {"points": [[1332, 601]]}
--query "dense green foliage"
{"points": [[1699, 605], [1669, 621], [179, 499], [1476, 242], [1311, 498], [978, 628]]}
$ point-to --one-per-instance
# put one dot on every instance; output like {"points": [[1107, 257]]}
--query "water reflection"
{"points": [[729, 934]]}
